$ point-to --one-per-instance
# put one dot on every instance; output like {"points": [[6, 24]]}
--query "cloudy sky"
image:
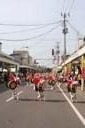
{"points": [[38, 24]]}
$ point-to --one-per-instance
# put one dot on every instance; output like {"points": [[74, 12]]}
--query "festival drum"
{"points": [[53, 82], [12, 85]]}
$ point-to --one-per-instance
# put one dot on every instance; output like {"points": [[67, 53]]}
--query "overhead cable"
{"points": [[67, 4], [25, 25], [63, 6], [72, 5], [77, 31], [30, 29], [34, 37]]}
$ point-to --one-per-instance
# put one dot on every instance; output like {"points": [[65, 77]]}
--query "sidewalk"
{"points": [[3, 88], [81, 93]]}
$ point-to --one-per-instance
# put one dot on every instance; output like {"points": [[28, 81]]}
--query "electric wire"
{"points": [[63, 6], [34, 37], [31, 29], [25, 25], [78, 32], [67, 7], [67, 4], [72, 5]]}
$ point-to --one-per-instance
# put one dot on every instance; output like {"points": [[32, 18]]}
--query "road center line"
{"points": [[11, 98], [81, 118]]}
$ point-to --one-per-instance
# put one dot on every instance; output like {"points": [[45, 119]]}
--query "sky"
{"points": [[38, 24]]}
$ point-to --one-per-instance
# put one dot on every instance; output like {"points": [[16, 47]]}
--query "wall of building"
{"points": [[22, 57]]}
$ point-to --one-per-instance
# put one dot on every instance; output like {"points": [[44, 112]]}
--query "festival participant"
{"points": [[69, 82], [12, 84], [35, 82], [41, 84], [60, 79], [51, 81], [29, 79], [72, 84]]}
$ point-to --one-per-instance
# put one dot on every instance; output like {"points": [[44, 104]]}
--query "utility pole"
{"points": [[64, 31], [58, 53]]}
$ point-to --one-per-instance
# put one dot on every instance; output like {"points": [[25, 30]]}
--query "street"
{"points": [[42, 64], [29, 112]]}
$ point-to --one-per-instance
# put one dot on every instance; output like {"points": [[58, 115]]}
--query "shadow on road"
{"points": [[55, 100], [49, 90], [49, 100], [80, 102]]}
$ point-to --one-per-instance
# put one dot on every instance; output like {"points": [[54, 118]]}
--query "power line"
{"points": [[72, 5], [77, 31], [63, 6], [25, 25], [32, 37], [66, 5], [32, 29]]}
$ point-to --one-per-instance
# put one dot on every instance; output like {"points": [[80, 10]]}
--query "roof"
{"points": [[75, 55], [7, 59], [5, 55], [27, 66]]}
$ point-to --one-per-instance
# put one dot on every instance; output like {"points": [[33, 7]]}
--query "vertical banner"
{"points": [[83, 66]]}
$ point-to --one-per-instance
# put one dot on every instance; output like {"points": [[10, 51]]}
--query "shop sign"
{"points": [[83, 72]]}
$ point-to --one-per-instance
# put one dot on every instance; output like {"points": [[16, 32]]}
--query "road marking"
{"points": [[19, 93], [11, 98], [81, 118]]}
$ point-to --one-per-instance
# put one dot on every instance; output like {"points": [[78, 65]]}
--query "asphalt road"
{"points": [[55, 112]]}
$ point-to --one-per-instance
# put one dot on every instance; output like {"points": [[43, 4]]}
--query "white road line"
{"points": [[81, 118], [19, 93], [11, 98]]}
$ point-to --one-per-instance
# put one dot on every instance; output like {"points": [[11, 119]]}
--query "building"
{"points": [[7, 62], [22, 57], [76, 64]]}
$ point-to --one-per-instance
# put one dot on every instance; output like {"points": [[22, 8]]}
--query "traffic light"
{"points": [[52, 52], [84, 39], [34, 61]]}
